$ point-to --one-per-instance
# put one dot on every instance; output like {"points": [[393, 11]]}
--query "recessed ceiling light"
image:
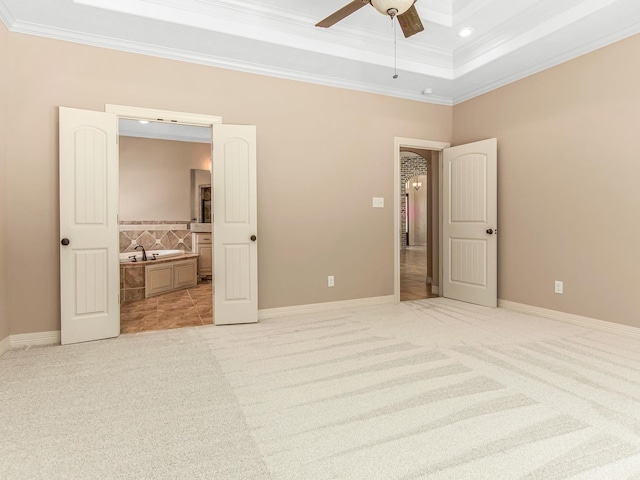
{"points": [[144, 122], [427, 91], [465, 32]]}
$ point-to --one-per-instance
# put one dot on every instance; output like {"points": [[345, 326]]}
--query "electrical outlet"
{"points": [[559, 287], [330, 281]]}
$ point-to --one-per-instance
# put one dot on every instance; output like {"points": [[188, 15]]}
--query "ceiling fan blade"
{"points": [[410, 22], [342, 13]]}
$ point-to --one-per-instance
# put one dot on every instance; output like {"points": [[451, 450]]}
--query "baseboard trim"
{"points": [[570, 318], [38, 338], [5, 345], [266, 313]]}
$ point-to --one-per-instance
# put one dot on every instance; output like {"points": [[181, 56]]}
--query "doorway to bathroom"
{"points": [[89, 225], [165, 225]]}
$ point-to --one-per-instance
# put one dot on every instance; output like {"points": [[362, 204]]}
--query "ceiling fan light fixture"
{"points": [[398, 7]]}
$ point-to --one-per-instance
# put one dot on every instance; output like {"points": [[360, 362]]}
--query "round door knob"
{"points": [[490, 231], [253, 238], [65, 241]]}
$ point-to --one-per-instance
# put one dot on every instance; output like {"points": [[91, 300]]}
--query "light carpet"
{"points": [[431, 389]]}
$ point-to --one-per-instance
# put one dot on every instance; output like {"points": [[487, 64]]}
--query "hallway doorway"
{"points": [[431, 151], [416, 217], [415, 274]]}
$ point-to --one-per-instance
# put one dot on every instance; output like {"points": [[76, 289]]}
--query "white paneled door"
{"points": [[235, 224], [89, 264], [469, 223]]}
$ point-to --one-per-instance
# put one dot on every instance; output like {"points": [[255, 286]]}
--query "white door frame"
{"points": [[398, 143], [139, 113], [167, 116]]}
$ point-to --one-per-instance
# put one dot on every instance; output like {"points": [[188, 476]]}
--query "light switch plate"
{"points": [[378, 202]]}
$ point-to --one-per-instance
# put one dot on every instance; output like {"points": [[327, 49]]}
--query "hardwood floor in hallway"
{"points": [[413, 274]]}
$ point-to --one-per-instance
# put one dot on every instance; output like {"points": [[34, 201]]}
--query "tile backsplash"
{"points": [[155, 235]]}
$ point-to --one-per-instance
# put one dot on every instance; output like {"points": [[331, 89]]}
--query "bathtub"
{"points": [[159, 254]]}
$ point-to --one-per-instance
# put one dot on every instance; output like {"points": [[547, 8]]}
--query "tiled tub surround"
{"points": [[132, 277], [155, 235]]}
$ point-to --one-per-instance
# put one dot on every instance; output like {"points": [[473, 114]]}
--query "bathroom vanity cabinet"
{"points": [[204, 248], [166, 277]]}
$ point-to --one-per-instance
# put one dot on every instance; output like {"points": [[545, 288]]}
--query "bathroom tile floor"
{"points": [[194, 306], [413, 274], [184, 308]]}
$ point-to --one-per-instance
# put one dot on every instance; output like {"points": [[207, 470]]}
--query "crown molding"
{"points": [[215, 61], [525, 29], [6, 16], [460, 16], [257, 21], [472, 73], [596, 44], [436, 11], [504, 38]]}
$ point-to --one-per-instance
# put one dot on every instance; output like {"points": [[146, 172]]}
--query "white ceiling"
{"points": [[164, 131], [512, 38]]}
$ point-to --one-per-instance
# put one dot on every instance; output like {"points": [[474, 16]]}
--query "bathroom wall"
{"points": [[155, 191], [568, 172], [4, 92], [155, 177], [158, 235], [314, 209]]}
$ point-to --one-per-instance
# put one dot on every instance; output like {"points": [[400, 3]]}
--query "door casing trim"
{"points": [[167, 116], [398, 143]]}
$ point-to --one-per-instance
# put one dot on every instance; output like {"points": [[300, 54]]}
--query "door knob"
{"points": [[253, 238], [490, 231], [65, 241]]}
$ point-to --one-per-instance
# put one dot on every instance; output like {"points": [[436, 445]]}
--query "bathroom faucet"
{"points": [[144, 252]]}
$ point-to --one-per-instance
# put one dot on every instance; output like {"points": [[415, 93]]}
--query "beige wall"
{"points": [[4, 319], [323, 153], [155, 177], [568, 173]]}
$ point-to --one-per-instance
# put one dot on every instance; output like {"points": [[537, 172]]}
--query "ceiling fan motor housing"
{"points": [[403, 10], [392, 7]]}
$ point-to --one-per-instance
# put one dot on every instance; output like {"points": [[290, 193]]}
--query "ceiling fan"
{"points": [[404, 10]]}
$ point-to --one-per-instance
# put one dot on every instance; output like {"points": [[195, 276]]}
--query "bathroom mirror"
{"points": [[201, 196]]}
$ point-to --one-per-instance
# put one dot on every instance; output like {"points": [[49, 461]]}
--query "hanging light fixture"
{"points": [[392, 7], [417, 185]]}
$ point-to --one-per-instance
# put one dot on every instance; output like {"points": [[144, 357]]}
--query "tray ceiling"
{"points": [[510, 40]]}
